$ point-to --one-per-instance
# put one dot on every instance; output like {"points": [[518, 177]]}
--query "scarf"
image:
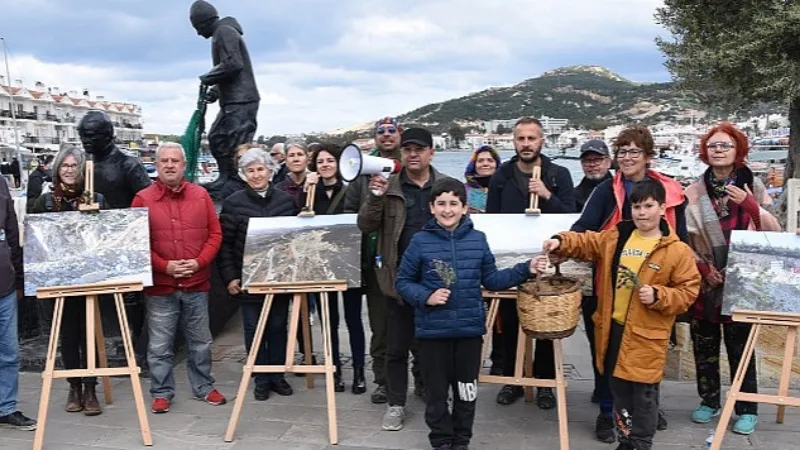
{"points": [[710, 219], [65, 194], [478, 186]]}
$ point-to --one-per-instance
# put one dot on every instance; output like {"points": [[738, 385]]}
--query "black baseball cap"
{"points": [[595, 146], [419, 136]]}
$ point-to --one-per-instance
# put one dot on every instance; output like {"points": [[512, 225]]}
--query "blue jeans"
{"points": [[163, 314], [9, 354], [272, 349]]}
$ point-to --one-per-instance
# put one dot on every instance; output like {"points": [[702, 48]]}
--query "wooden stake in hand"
{"points": [[88, 188], [533, 209], [308, 210]]}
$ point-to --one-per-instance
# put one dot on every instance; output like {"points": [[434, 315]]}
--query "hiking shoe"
{"points": [[509, 394], [625, 446], [214, 398], [19, 421], [604, 428], [281, 387], [261, 392], [662, 421], [379, 395], [746, 424], [460, 447], [160, 405], [704, 414], [545, 398], [394, 418], [444, 447]]}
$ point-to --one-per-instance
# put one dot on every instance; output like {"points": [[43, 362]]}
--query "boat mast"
{"points": [[13, 104]]}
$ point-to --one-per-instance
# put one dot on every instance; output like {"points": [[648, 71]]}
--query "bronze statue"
{"points": [[117, 176], [231, 80]]}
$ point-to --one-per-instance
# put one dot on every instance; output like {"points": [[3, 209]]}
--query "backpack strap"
{"points": [[336, 200]]}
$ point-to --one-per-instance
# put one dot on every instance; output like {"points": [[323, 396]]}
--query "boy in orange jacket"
{"points": [[645, 277]]}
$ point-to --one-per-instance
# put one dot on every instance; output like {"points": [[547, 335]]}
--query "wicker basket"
{"points": [[549, 308]]}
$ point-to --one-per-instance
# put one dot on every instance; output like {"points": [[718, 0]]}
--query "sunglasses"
{"points": [[382, 130]]}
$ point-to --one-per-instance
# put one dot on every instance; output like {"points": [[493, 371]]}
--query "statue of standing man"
{"points": [[231, 80]]}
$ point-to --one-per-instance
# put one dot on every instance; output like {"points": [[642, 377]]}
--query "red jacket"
{"points": [[183, 225]]}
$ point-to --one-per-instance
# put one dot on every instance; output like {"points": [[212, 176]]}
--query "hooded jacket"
{"points": [[386, 215], [467, 252], [232, 73], [478, 187], [670, 270], [506, 195], [608, 205]]}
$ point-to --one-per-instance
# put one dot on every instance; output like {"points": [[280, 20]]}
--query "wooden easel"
{"points": [[299, 304], [525, 358], [759, 319], [94, 335]]}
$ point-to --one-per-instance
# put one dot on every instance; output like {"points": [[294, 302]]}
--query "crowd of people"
{"points": [[423, 266]]}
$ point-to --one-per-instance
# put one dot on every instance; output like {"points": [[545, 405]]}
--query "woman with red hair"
{"points": [[725, 199]]}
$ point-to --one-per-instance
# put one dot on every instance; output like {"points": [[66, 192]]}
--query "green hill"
{"points": [[588, 96]]}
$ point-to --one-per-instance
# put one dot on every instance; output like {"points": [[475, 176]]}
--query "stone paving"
{"points": [[299, 422]]}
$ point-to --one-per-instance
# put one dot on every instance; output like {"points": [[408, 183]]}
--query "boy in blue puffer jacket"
{"points": [[441, 275]]}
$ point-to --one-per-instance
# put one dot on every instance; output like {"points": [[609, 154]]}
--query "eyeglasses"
{"points": [[274, 153], [69, 166], [592, 161], [720, 147], [632, 152], [382, 130]]}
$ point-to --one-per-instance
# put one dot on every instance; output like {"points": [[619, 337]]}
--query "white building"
{"points": [[47, 116]]}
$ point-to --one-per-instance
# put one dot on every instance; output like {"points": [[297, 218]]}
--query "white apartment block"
{"points": [[48, 116]]}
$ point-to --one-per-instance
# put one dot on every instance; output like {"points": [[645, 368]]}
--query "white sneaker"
{"points": [[311, 319], [393, 419]]}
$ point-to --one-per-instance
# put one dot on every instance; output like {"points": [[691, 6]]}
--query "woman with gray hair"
{"points": [[297, 163], [258, 199], [68, 169]]}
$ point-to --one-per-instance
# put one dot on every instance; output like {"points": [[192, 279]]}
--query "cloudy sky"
{"points": [[323, 64]]}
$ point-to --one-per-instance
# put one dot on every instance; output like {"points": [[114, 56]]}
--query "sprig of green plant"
{"points": [[445, 271], [627, 278]]}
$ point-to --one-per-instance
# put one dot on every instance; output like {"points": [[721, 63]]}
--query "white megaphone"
{"points": [[353, 163]]}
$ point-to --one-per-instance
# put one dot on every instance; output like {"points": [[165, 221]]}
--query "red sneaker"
{"points": [[215, 398], [160, 405]]}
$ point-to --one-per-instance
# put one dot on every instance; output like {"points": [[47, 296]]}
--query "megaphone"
{"points": [[353, 163]]}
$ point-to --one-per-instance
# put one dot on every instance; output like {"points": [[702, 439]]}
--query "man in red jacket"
{"points": [[185, 236]]}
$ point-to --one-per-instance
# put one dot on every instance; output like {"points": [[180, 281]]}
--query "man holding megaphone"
{"points": [[397, 208], [387, 142]]}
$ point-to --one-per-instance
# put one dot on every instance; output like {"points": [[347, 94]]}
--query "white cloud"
{"points": [[381, 61]]}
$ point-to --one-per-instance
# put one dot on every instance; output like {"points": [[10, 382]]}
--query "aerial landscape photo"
{"points": [[763, 273], [74, 248], [295, 249]]}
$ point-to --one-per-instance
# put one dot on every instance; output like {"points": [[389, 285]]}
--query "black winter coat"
{"points": [[506, 195], [232, 185], [36, 180], [234, 218], [118, 177]]}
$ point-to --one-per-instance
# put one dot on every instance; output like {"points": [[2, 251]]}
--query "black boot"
{"points": [[338, 384], [359, 383]]}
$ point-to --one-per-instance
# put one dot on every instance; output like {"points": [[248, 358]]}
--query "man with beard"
{"points": [[387, 140], [232, 82], [118, 177], [509, 192]]}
